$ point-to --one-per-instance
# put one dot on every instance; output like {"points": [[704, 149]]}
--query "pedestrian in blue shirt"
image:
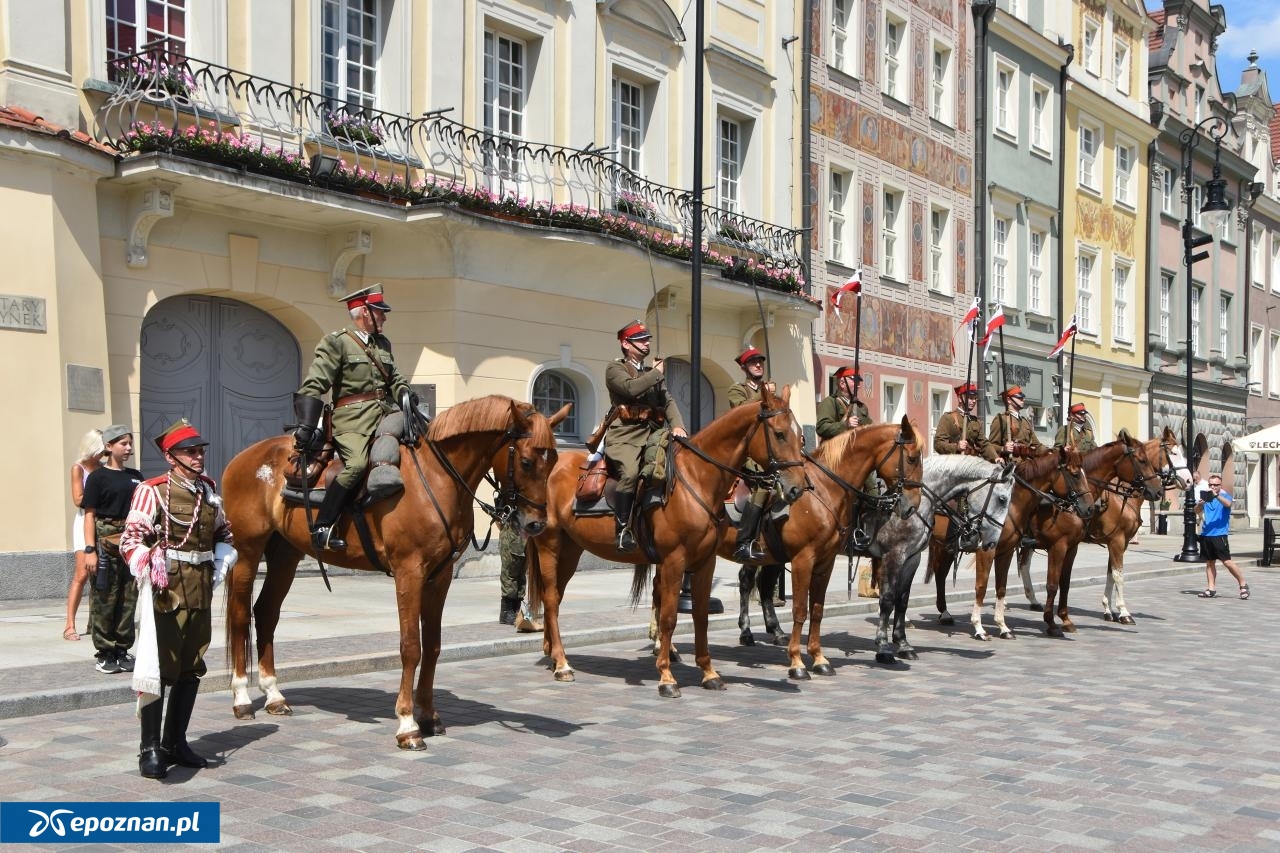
{"points": [[1215, 523]]}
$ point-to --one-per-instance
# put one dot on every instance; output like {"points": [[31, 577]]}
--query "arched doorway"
{"points": [[228, 367]]}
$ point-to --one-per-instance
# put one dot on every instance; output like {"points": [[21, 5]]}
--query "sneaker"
{"points": [[108, 665], [125, 661]]}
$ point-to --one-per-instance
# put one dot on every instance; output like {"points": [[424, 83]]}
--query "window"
{"points": [[1197, 295], [504, 103], [126, 30], [1006, 100], [937, 408], [942, 99], [1169, 189], [892, 401], [1088, 156], [1275, 262], [628, 124], [1224, 324], [1273, 366], [1199, 108], [1035, 272], [837, 222], [1125, 154], [1000, 227], [1091, 57], [1195, 205], [845, 36], [940, 251], [1120, 330], [1120, 66], [1255, 360], [893, 240], [551, 390], [1166, 307], [1041, 118], [1256, 271], [1085, 264], [349, 52], [896, 66], [1226, 222], [729, 169]]}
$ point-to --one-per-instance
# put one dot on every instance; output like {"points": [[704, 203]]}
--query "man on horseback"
{"points": [[1011, 432], [357, 367], [1076, 432], [843, 410], [642, 405], [960, 431], [748, 390]]}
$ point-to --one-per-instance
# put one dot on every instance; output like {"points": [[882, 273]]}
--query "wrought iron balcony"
{"points": [[165, 101]]}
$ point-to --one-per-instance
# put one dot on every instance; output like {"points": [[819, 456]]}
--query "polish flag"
{"points": [[968, 318], [853, 285], [1067, 334], [996, 321]]}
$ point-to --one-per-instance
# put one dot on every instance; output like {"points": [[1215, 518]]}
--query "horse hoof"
{"points": [[746, 639], [886, 658], [1008, 635], [242, 712], [1107, 617], [798, 673], [1036, 606], [1126, 619], [565, 674], [433, 728], [985, 637], [716, 683], [1053, 631], [1069, 627], [669, 691], [411, 741], [946, 619], [822, 669], [779, 639], [908, 654], [279, 709]]}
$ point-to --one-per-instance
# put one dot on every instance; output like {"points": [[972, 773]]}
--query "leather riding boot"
{"points": [[152, 763], [507, 615], [746, 550], [322, 537], [182, 699], [622, 504]]}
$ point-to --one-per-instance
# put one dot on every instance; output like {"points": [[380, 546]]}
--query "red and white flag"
{"points": [[853, 285], [969, 317], [1067, 334], [995, 321]]}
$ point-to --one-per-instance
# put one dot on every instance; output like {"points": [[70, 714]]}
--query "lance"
{"points": [[857, 347], [968, 373]]}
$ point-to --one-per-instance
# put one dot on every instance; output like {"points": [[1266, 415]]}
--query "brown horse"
{"points": [[818, 525], [684, 528], [418, 534], [1051, 497]]}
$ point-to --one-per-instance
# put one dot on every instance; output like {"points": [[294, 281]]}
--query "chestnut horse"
{"points": [[1118, 521], [418, 535], [817, 527], [684, 529], [1051, 499]]}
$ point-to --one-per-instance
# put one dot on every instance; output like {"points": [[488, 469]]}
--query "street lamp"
{"points": [[1215, 202]]}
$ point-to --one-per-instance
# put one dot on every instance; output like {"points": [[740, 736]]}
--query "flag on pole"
{"points": [[994, 322], [1067, 334], [969, 317], [853, 285]]}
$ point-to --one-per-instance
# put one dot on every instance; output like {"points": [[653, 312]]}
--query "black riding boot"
{"points": [[746, 551], [507, 615], [622, 504], [322, 537], [182, 699], [151, 757]]}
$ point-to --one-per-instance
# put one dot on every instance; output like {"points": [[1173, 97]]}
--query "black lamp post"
{"points": [[1215, 201]]}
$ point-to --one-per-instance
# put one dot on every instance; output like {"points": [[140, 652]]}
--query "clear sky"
{"points": [[1251, 25]]}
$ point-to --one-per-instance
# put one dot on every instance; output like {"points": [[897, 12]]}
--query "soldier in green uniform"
{"points": [[638, 393], [1076, 432], [752, 362], [356, 366], [961, 431], [1013, 434], [178, 543], [843, 410], [514, 576]]}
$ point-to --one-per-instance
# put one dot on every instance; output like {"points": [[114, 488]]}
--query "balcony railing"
{"points": [[167, 102]]}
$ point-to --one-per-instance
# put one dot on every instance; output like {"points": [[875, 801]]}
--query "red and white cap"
{"points": [[634, 331], [749, 354], [179, 436], [371, 296]]}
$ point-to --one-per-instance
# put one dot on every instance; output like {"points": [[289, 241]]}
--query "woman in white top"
{"points": [[91, 451]]}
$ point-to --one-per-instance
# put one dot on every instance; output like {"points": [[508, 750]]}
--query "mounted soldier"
{"points": [[642, 406], [1076, 432], [355, 365], [1012, 433], [752, 362], [843, 410], [960, 431]]}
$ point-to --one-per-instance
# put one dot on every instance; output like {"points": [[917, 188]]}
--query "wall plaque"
{"points": [[84, 389], [25, 313]]}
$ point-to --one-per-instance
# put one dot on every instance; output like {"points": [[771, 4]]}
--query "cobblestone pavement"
{"points": [[1160, 736]]}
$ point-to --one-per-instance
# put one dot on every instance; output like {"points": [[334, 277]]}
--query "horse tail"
{"points": [[228, 584], [639, 583]]}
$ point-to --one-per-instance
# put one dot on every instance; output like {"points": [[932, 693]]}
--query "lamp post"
{"points": [[1215, 202]]}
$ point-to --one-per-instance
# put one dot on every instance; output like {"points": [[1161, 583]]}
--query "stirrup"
{"points": [[747, 553], [626, 541], [322, 539]]}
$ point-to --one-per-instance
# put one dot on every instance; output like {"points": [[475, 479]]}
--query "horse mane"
{"points": [[832, 450], [964, 467], [488, 414], [1035, 467]]}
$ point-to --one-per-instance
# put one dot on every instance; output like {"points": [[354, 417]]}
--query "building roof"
{"points": [[17, 117], [1155, 39]]}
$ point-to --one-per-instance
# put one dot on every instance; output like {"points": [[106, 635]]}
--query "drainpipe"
{"points": [[982, 12], [1153, 270], [808, 194], [1063, 80]]}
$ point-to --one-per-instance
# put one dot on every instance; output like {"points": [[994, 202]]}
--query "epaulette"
{"points": [[156, 481]]}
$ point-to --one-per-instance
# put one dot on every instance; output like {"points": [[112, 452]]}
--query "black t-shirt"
{"points": [[109, 492]]}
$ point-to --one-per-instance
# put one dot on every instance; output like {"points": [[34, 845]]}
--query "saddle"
{"points": [[312, 471]]}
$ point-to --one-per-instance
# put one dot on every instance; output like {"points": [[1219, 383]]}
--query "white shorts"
{"points": [[77, 531]]}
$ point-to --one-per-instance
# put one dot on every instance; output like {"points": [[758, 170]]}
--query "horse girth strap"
{"points": [[1063, 502]]}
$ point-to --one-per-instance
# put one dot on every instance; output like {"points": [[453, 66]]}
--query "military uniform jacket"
{"points": [[1077, 439], [953, 426], [343, 367], [638, 387], [1009, 427], [742, 392], [833, 413]]}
